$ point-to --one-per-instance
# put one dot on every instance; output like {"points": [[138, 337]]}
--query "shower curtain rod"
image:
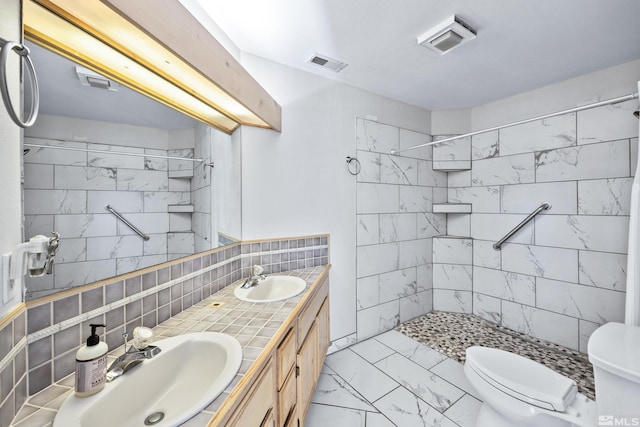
{"points": [[89, 150], [546, 116]]}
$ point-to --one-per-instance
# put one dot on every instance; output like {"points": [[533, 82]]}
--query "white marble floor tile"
{"points": [[369, 381], [465, 411], [372, 350], [437, 392], [321, 415], [453, 372], [407, 410], [375, 419], [417, 352], [333, 390]]}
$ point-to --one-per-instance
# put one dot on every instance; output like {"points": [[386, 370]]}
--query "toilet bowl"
{"points": [[517, 391]]}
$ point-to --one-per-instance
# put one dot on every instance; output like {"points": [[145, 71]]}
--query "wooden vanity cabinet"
{"points": [[257, 407]]}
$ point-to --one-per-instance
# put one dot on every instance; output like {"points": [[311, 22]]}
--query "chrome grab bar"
{"points": [[127, 223], [542, 207]]}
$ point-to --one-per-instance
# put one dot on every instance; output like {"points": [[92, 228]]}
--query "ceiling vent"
{"points": [[93, 79], [448, 34], [326, 62]]}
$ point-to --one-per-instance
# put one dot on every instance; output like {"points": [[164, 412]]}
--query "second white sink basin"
{"points": [[189, 373], [273, 288]]}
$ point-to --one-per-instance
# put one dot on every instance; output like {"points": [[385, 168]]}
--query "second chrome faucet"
{"points": [[135, 354]]}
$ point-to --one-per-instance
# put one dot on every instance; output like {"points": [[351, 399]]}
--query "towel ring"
{"points": [[23, 51], [356, 169]]}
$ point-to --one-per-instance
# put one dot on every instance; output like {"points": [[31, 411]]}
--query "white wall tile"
{"points": [[452, 276], [39, 224], [377, 198], [439, 195], [425, 277], [71, 250], [586, 329], [122, 201], [157, 201], [554, 132], [38, 176], [368, 291], [459, 225], [181, 164], [398, 170], [154, 163], [84, 178], [126, 265], [376, 259], [135, 180], [175, 184], [485, 256], [81, 273], [430, 224], [454, 301], [485, 145], [596, 233], [524, 198], [452, 251], [108, 160], [409, 138], [605, 196], [113, 247], [148, 223], [602, 160], [541, 261], [608, 123], [397, 227], [517, 169], [487, 307], [494, 227], [415, 199], [483, 199], [416, 305], [55, 201], [412, 253], [505, 285], [85, 225], [378, 137], [458, 149], [178, 221], [459, 179], [368, 229], [51, 156], [397, 284], [157, 244], [180, 243], [369, 166], [428, 177], [375, 320], [603, 270], [634, 156], [549, 326], [586, 302]]}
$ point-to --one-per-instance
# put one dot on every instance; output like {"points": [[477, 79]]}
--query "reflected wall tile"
{"points": [[485, 256], [146, 180], [113, 247], [452, 300], [368, 229], [178, 221], [608, 123], [398, 170], [517, 169], [38, 224], [459, 225], [38, 176], [180, 243], [126, 265], [505, 285], [603, 270], [375, 320], [554, 132], [487, 307], [374, 136], [377, 259], [416, 305], [494, 227], [110, 160], [72, 250], [84, 178], [458, 149], [452, 276], [148, 223], [397, 284], [440, 195], [634, 156], [55, 201], [397, 227], [180, 164], [540, 261], [368, 291], [605, 196], [524, 198], [122, 201], [596, 233], [412, 253], [156, 164], [430, 224], [483, 199], [603, 160], [415, 199], [452, 251], [485, 145], [409, 138], [458, 179], [586, 302], [553, 327], [81, 273], [369, 166], [427, 177], [377, 198], [89, 225], [56, 157]]}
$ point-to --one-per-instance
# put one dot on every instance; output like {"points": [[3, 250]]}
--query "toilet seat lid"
{"points": [[522, 378]]}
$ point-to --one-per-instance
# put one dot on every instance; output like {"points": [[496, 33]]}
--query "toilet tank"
{"points": [[614, 351]]}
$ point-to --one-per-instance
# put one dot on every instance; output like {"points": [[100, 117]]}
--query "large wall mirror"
{"points": [[98, 143]]}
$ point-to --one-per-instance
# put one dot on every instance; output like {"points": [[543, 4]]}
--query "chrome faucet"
{"points": [[256, 277], [132, 357]]}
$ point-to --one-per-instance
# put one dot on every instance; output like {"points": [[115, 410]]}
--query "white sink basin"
{"points": [[189, 373], [273, 288]]}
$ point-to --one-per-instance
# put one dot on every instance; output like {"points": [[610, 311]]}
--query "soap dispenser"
{"points": [[91, 365]]}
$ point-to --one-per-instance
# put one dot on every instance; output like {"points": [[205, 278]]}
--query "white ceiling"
{"points": [[520, 44]]}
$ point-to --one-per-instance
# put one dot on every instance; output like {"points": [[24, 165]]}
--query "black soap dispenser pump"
{"points": [[91, 365]]}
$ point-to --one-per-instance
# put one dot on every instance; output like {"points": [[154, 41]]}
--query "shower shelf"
{"points": [[451, 165], [180, 208], [181, 174], [452, 208]]}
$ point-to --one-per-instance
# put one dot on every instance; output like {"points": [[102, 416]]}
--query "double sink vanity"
{"points": [[245, 356]]}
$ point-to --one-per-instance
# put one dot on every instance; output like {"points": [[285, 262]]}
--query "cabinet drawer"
{"points": [[308, 315], [286, 356], [287, 398], [258, 403]]}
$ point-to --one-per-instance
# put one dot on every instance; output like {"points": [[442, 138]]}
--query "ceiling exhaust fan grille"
{"points": [[326, 62], [448, 34]]}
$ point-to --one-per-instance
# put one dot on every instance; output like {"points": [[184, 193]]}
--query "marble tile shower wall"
{"points": [[67, 191], [201, 192], [56, 327], [564, 274], [395, 226]]}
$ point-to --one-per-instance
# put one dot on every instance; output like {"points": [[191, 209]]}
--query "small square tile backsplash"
{"points": [[55, 328]]}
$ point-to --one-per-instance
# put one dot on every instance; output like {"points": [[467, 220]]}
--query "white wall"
{"points": [[10, 142], [295, 182]]}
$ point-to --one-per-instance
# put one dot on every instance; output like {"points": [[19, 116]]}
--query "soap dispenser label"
{"points": [[91, 374]]}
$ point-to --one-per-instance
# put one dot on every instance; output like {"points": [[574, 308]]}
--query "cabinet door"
{"points": [[323, 335], [307, 362], [257, 406]]}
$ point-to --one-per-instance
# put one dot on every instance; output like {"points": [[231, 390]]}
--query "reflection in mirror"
{"points": [[124, 150]]}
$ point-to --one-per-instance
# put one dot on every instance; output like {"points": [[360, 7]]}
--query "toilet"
{"points": [[517, 391]]}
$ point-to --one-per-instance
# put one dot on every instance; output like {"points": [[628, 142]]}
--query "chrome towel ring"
{"points": [[355, 170], [23, 52]]}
